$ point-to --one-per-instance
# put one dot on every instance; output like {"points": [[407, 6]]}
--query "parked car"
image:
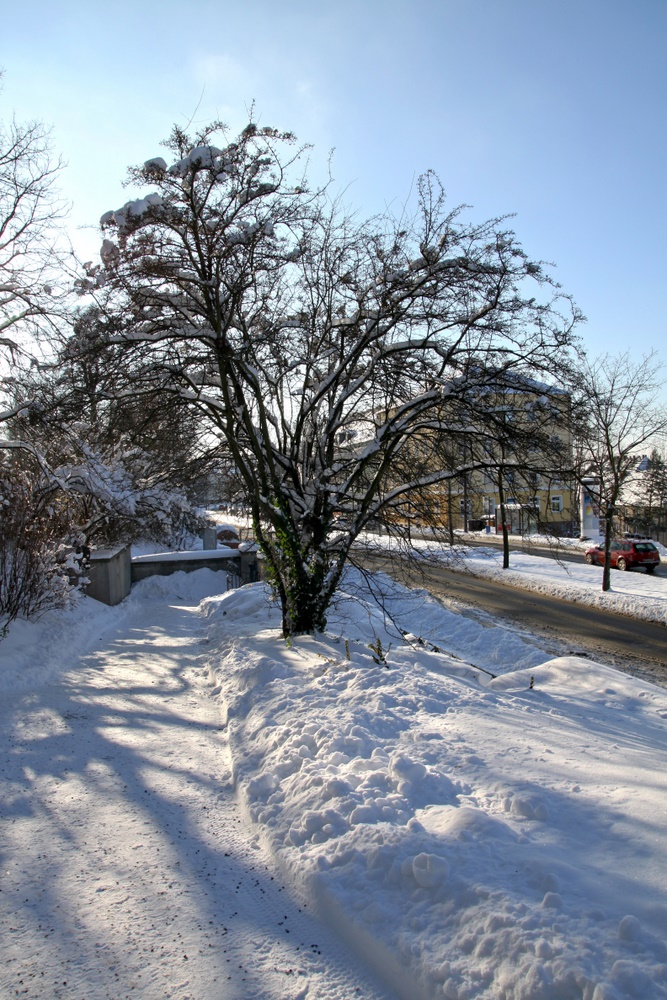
{"points": [[626, 554]]}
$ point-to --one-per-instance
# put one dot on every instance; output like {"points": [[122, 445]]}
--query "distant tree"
{"points": [[650, 493], [29, 210], [30, 213], [516, 430], [323, 350], [616, 416]]}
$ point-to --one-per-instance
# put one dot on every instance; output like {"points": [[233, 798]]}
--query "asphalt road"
{"points": [[625, 642]]}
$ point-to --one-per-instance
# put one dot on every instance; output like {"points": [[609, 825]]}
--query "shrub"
{"points": [[35, 565]]}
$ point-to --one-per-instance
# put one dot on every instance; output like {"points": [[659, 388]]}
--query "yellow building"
{"points": [[501, 452], [528, 445]]}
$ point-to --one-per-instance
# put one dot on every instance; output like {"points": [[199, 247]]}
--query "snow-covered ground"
{"points": [[127, 869], [169, 765]]}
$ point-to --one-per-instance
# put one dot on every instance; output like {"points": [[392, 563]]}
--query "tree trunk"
{"points": [[506, 541], [303, 578], [606, 572], [449, 508], [302, 613]]}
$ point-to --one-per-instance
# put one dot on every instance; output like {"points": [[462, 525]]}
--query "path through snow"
{"points": [[126, 868]]}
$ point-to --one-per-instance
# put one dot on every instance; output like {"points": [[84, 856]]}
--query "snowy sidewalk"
{"points": [[126, 867]]}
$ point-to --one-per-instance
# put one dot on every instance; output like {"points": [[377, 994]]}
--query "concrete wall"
{"points": [[110, 575]]}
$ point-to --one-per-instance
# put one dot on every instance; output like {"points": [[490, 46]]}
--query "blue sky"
{"points": [[551, 109]]}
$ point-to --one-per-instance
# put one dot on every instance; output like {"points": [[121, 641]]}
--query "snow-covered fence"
{"points": [[110, 574]]}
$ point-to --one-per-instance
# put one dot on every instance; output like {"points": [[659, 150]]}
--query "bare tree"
{"points": [[516, 429], [617, 416], [522, 431], [650, 493], [326, 352], [33, 575], [30, 209]]}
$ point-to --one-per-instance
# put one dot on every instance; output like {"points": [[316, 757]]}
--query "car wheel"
{"points": [[621, 564], [589, 558], [650, 569]]}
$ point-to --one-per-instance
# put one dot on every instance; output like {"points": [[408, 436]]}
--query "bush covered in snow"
{"points": [[115, 498], [36, 566]]}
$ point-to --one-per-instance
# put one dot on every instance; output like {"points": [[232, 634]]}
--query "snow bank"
{"points": [[472, 837]]}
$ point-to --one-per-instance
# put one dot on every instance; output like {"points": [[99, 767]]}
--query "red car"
{"points": [[626, 554]]}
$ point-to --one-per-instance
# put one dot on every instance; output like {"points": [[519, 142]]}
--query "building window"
{"points": [[556, 505]]}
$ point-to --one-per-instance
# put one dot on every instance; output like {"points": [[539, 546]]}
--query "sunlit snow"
{"points": [[464, 836]]}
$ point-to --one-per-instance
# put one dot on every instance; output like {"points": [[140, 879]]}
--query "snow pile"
{"points": [[471, 837], [493, 649], [38, 652], [127, 870]]}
